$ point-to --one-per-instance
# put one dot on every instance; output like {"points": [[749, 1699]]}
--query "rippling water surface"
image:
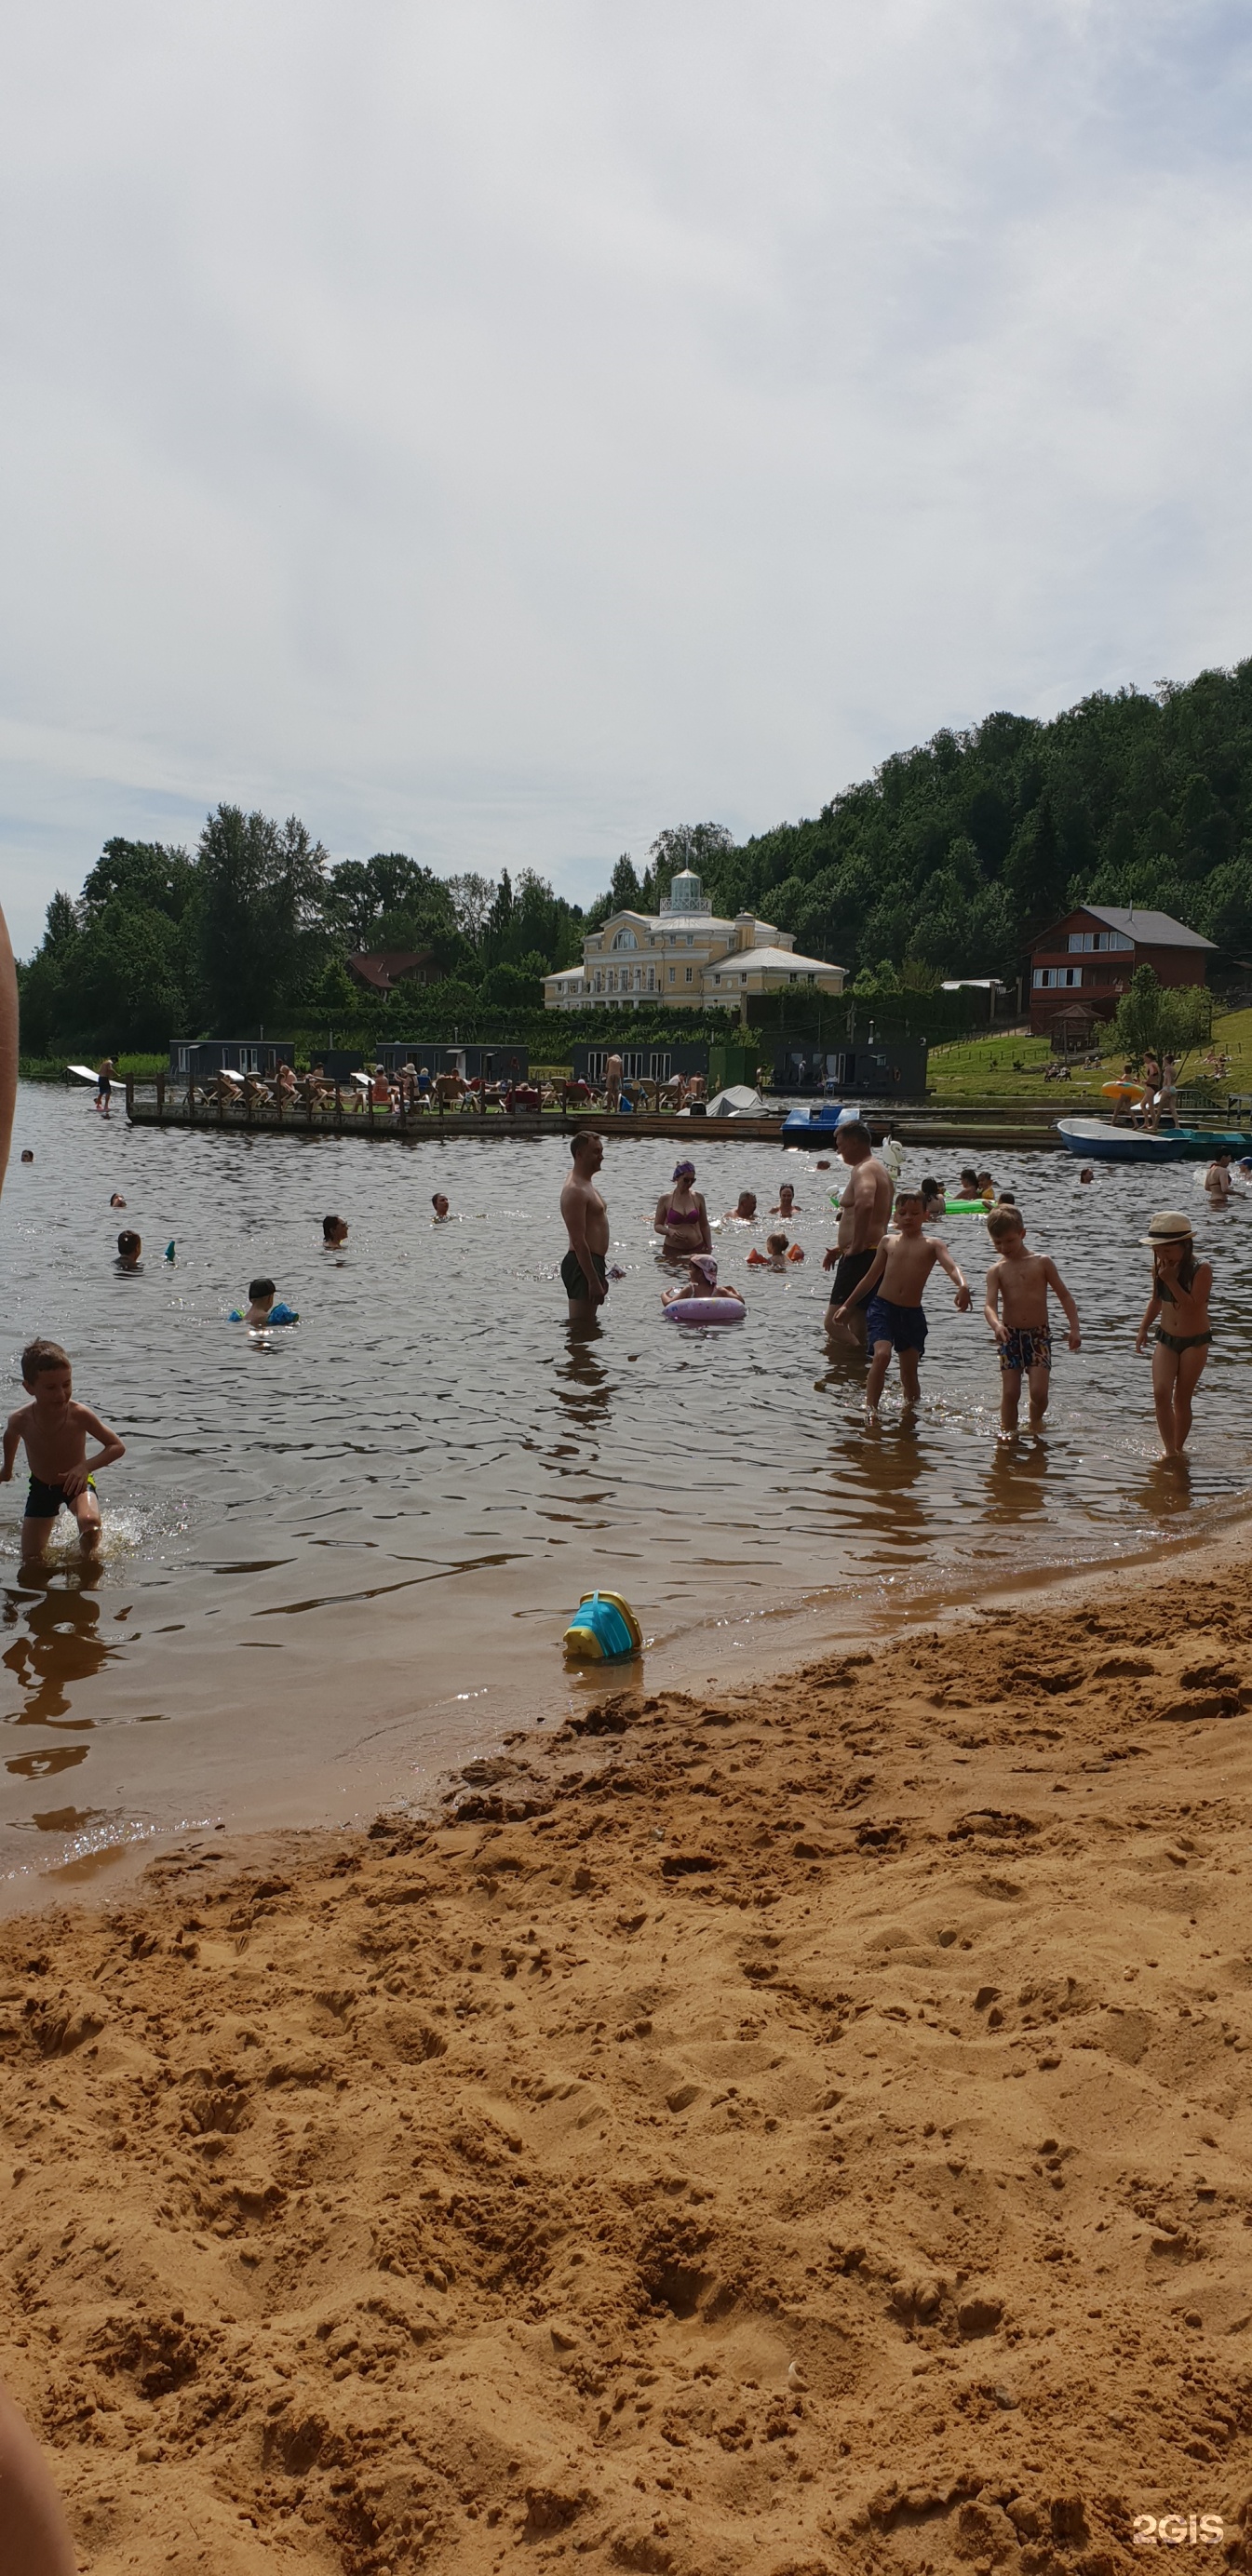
{"points": [[337, 1557]]}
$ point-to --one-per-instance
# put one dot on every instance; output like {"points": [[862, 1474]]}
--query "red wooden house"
{"points": [[1091, 955]]}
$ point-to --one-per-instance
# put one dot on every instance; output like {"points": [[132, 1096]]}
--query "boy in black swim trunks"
{"points": [[891, 1292], [1017, 1310], [55, 1431]]}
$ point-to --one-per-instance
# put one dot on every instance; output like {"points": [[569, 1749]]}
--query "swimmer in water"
{"points": [[262, 1308], [1087, 1173], [117, 1199], [701, 1281], [55, 1431], [1219, 1180], [28, 1157], [786, 1201], [334, 1232], [970, 1185], [129, 1250], [441, 1208], [934, 1196], [744, 1211]]}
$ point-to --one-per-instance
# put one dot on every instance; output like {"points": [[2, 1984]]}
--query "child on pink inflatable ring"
{"points": [[701, 1281]]}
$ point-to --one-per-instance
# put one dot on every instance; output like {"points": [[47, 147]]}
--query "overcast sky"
{"points": [[495, 429]]}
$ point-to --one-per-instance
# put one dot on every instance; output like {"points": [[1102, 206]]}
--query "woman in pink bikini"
{"points": [[681, 1217]]}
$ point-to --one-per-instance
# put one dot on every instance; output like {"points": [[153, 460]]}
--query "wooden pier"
{"points": [[1007, 1126]]}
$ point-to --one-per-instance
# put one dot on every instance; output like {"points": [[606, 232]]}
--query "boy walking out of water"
{"points": [[55, 1431], [891, 1292], [1017, 1311]]}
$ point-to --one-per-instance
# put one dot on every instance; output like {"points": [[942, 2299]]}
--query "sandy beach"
{"points": [[786, 2131]]}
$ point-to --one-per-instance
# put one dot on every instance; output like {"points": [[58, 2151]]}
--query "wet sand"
{"points": [[785, 2129]]}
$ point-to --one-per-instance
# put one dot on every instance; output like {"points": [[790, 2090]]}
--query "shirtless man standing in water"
{"points": [[863, 1213], [584, 1269]]}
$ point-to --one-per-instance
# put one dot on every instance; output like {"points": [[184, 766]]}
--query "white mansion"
{"points": [[684, 954]]}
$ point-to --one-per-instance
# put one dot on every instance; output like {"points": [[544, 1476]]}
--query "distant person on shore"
{"points": [[786, 1207], [264, 1307], [1219, 1179], [334, 1232], [744, 1211], [1016, 1308], [612, 1081], [129, 1250], [104, 1087], [891, 1293], [55, 1431], [1182, 1286], [441, 1208], [682, 1219], [584, 1270], [864, 1210]]}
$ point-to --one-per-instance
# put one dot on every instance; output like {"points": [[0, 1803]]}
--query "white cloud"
{"points": [[495, 432]]}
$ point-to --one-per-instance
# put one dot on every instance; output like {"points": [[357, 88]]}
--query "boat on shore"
{"points": [[1100, 1140]]}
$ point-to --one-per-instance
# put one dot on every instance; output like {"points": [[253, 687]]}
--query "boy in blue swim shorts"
{"points": [[891, 1292]]}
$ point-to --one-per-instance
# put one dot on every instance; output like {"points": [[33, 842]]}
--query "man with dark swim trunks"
{"points": [[863, 1213], [585, 1267]]}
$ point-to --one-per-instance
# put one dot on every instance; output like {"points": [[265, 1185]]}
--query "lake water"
{"points": [[340, 1558]]}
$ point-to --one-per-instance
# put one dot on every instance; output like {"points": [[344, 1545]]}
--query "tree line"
{"points": [[254, 929], [948, 861]]}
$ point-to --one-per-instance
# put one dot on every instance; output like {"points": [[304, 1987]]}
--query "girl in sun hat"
{"points": [[1181, 1285]]}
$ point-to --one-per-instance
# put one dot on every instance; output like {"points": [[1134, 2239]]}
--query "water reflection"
{"points": [[1017, 1472], [59, 1647]]}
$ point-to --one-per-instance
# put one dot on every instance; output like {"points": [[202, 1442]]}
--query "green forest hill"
{"points": [[946, 862]]}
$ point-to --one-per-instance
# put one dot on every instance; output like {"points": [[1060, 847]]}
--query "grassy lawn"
{"points": [[1011, 1068]]}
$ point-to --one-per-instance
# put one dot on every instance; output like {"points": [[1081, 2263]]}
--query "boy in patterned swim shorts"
{"points": [[1017, 1311]]}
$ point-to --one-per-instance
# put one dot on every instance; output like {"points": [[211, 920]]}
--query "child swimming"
{"points": [[262, 1309], [129, 1250], [334, 1232], [1016, 1307], [891, 1291], [1182, 1284], [55, 1431], [779, 1250]]}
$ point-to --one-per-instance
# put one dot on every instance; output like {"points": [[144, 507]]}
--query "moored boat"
{"points": [[1099, 1140]]}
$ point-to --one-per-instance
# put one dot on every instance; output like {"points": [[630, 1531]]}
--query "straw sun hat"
{"points": [[1169, 1225]]}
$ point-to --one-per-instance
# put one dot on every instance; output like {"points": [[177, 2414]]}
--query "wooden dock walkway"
{"points": [[1009, 1126]]}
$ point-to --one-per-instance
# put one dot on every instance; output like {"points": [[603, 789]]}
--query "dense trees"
{"points": [[946, 861], [255, 929], [954, 855]]}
